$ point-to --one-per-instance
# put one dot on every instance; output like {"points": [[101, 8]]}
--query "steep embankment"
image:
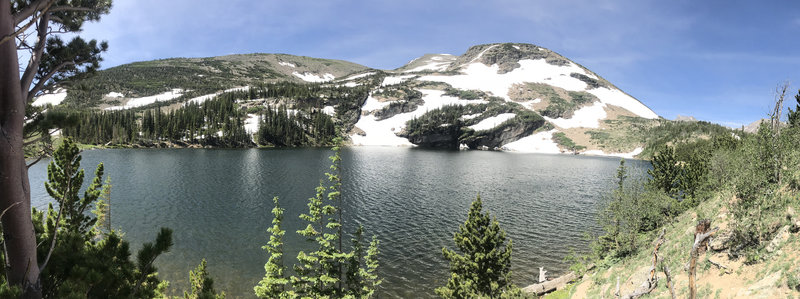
{"points": [[719, 275]]}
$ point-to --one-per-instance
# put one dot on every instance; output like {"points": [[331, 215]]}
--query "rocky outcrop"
{"points": [[503, 134], [398, 107]]}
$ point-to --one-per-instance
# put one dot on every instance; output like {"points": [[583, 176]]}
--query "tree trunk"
{"points": [[20, 239]]}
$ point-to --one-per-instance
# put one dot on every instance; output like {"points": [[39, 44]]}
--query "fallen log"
{"points": [[551, 285]]}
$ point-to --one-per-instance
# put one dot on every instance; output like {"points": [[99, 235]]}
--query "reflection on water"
{"points": [[218, 203]]}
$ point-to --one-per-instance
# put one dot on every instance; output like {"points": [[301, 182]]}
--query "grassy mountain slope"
{"points": [[199, 75]]}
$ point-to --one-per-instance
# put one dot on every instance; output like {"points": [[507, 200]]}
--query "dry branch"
{"points": [[651, 282], [700, 241], [551, 285]]}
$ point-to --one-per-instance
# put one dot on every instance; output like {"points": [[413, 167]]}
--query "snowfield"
{"points": [[395, 80], [586, 117], [207, 97], [541, 142], [479, 76], [54, 98], [251, 123], [630, 155], [143, 101], [382, 133], [491, 122], [309, 77]]}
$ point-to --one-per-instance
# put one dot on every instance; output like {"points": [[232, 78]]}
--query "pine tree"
{"points": [[483, 269], [794, 114], [274, 282], [202, 286], [666, 171], [78, 263], [329, 271]]}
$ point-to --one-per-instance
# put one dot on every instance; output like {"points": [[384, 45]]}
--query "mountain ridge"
{"points": [[508, 85]]}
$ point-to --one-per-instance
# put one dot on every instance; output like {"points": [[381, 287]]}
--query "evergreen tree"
{"points": [[483, 269], [794, 114], [202, 286], [666, 171], [76, 263], [274, 282], [328, 271]]}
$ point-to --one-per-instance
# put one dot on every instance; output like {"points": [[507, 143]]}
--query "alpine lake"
{"points": [[218, 202]]}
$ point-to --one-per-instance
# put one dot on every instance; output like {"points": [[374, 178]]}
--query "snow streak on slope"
{"points": [[114, 94], [207, 97], [383, 132], [395, 80], [143, 101], [491, 122], [630, 155], [289, 64], [541, 142], [251, 123], [309, 77], [51, 98]]}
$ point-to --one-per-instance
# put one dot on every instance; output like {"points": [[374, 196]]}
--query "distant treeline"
{"points": [[296, 119]]}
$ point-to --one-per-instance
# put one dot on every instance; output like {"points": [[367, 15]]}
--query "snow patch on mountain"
{"points": [[115, 94], [329, 110], [586, 117], [486, 78], [251, 123], [619, 98], [289, 64], [382, 133], [630, 155], [395, 80], [541, 142], [143, 101], [54, 98], [491, 122], [207, 97], [309, 77]]}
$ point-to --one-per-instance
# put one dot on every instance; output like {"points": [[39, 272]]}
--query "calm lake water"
{"points": [[218, 203]]}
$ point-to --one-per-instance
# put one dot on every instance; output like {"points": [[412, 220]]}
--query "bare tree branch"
{"points": [[70, 8], [31, 9], [36, 57], [41, 83]]}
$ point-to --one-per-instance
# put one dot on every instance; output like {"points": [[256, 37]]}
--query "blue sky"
{"points": [[716, 60]]}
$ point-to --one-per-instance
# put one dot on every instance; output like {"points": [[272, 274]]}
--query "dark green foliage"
{"points": [[278, 127], [202, 286], [482, 269], [794, 114], [592, 83], [564, 141], [328, 271], [464, 94], [679, 178], [83, 263], [630, 209]]}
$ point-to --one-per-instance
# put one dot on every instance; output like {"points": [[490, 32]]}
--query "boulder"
{"points": [[780, 237]]}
